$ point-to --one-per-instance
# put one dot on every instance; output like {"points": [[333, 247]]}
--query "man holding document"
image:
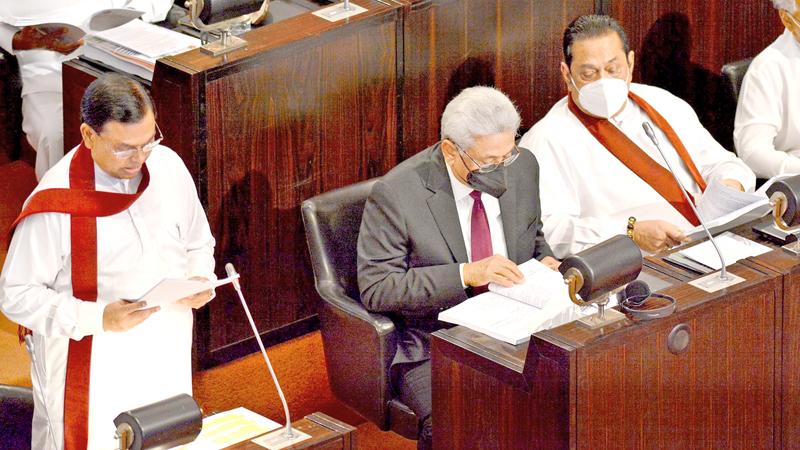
{"points": [[104, 226], [442, 225], [601, 175]]}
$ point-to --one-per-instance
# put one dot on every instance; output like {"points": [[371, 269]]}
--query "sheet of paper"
{"points": [[230, 427], [148, 39], [732, 246], [541, 285], [170, 290], [719, 200]]}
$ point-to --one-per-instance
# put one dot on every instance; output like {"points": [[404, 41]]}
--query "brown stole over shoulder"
{"points": [[635, 159], [84, 204]]}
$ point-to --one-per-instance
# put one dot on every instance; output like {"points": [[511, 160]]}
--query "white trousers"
{"points": [[43, 125]]}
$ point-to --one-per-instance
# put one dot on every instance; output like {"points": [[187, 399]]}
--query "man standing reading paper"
{"points": [[601, 175], [442, 225], [100, 227]]}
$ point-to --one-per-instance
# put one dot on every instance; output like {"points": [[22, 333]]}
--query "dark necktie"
{"points": [[481, 239]]}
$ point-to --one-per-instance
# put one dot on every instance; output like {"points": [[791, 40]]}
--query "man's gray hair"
{"points": [[789, 5], [478, 111]]}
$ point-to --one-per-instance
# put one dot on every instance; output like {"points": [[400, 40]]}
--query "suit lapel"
{"points": [[508, 208], [443, 206]]}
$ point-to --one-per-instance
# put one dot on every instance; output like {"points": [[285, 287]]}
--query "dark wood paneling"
{"points": [[299, 120], [681, 45], [10, 108], [453, 44]]}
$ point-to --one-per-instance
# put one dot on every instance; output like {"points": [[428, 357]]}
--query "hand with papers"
{"points": [[512, 314], [723, 207]]}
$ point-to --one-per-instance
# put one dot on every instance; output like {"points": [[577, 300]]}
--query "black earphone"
{"points": [[633, 300]]}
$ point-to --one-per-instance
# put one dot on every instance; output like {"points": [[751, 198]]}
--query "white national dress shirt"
{"points": [[767, 126], [464, 206], [164, 234], [587, 194]]}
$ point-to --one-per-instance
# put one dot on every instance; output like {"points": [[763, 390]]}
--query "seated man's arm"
{"points": [[154, 10], [38, 252], [387, 281], [759, 116]]}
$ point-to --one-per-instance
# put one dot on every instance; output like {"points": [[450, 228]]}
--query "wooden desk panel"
{"points": [[619, 387]]}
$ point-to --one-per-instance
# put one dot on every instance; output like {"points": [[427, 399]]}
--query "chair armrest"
{"points": [[359, 349], [16, 416]]}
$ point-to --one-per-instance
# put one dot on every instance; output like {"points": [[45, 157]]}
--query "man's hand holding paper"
{"points": [[198, 300]]}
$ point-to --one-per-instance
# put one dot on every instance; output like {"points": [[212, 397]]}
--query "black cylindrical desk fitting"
{"points": [[162, 425]]}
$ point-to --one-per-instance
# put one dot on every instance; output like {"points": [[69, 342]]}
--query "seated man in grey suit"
{"points": [[444, 223]]}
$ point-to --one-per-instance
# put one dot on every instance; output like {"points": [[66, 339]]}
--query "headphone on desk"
{"points": [[634, 298]]}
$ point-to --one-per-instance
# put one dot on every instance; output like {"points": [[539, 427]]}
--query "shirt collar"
{"points": [[105, 182], [460, 190]]}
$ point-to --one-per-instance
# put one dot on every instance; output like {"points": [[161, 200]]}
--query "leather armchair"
{"points": [[734, 74], [16, 416], [359, 346]]}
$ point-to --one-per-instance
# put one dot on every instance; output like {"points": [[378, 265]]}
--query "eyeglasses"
{"points": [[486, 168], [124, 151]]}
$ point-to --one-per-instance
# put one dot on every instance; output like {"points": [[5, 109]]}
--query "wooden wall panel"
{"points": [[453, 44], [681, 45], [299, 121]]}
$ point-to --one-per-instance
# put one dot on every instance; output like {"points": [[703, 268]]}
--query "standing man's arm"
{"points": [[154, 10], [6, 37], [38, 252]]}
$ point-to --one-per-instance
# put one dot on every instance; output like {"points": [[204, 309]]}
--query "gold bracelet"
{"points": [[631, 224]]}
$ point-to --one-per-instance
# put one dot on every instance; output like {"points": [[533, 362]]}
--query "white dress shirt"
{"points": [[164, 234], [464, 207], [587, 194], [767, 126]]}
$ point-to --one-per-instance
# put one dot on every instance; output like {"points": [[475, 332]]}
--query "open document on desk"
{"points": [[513, 314], [135, 46]]}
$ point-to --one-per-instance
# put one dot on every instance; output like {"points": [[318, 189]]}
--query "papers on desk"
{"points": [[135, 46], [170, 290], [724, 208], [732, 246], [541, 302], [230, 427]]}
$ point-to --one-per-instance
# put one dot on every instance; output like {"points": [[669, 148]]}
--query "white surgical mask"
{"points": [[604, 97]]}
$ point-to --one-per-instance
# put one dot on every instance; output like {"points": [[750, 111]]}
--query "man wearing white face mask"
{"points": [[767, 127], [600, 174]]}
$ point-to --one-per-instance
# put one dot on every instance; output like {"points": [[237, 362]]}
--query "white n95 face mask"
{"points": [[604, 97]]}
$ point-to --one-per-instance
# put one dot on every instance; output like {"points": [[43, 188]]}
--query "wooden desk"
{"points": [[620, 386], [326, 433]]}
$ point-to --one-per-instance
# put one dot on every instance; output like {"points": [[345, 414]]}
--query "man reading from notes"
{"points": [[767, 126], [599, 170], [443, 224], [116, 215]]}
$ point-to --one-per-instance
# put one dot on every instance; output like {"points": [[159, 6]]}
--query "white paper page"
{"points": [[148, 39], [732, 246], [541, 285], [719, 200], [228, 428], [170, 290]]}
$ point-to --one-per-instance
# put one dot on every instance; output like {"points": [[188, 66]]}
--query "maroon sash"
{"points": [[635, 159], [84, 204]]}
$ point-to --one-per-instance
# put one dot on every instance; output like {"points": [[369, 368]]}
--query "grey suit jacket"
{"points": [[410, 244]]}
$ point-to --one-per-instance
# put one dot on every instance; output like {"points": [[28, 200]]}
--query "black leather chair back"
{"points": [[734, 74], [332, 222]]}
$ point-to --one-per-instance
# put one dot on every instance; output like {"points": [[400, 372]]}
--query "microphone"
{"points": [[648, 129], [36, 379], [288, 435]]}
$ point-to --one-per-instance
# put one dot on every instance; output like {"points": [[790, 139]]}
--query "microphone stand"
{"points": [[707, 283], [288, 436]]}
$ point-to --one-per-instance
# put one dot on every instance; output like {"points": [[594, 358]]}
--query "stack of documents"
{"points": [[733, 248], [230, 427], [513, 314], [135, 46], [723, 208]]}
